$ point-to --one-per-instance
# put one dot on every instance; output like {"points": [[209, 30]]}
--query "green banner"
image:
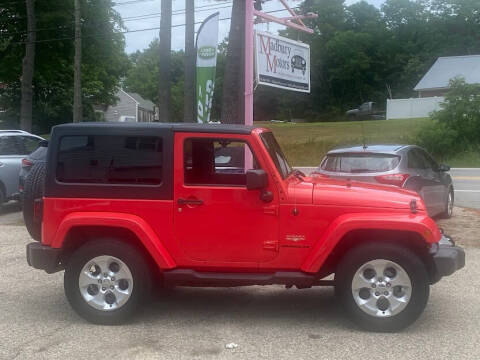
{"points": [[207, 43]]}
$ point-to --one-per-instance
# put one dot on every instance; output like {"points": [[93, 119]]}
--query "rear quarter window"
{"points": [[360, 163], [101, 159]]}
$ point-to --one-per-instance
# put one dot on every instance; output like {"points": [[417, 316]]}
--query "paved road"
{"points": [[271, 322], [467, 187]]}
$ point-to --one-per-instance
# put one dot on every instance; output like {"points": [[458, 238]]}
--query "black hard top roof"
{"points": [[176, 127]]}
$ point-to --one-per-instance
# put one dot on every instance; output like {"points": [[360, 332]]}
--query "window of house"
{"points": [[104, 159], [217, 162]]}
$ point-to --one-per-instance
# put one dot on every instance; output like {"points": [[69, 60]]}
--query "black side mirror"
{"points": [[256, 179], [43, 143], [443, 168]]}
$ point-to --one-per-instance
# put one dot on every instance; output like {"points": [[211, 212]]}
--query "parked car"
{"points": [[406, 166], [128, 206], [14, 146], [38, 156], [366, 111]]}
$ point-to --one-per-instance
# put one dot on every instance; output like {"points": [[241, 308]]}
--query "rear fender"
{"points": [[135, 224], [421, 224]]}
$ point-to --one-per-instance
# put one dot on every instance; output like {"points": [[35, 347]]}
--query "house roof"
{"points": [[144, 104], [447, 68]]}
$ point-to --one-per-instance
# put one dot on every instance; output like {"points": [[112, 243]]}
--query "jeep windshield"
{"points": [[276, 154]]}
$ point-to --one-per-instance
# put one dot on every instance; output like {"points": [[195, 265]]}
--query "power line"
{"points": [[210, 7], [133, 31]]}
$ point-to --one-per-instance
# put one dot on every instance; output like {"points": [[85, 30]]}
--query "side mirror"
{"points": [[443, 168], [257, 179], [43, 143]]}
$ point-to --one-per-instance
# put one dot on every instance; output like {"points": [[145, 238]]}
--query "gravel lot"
{"points": [[265, 322]]}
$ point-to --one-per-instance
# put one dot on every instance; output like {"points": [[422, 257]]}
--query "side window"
{"points": [[9, 146], [415, 161], [28, 144], [429, 162], [128, 160], [216, 162]]}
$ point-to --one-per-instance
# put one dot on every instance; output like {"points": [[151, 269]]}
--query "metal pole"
{"points": [[249, 62], [77, 86]]}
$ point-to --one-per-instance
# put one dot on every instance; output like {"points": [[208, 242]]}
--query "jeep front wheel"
{"points": [[105, 281], [384, 287]]}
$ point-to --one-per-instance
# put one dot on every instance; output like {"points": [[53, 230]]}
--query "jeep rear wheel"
{"points": [[105, 281], [384, 287]]}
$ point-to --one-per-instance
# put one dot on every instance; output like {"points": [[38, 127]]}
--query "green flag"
{"points": [[207, 43]]}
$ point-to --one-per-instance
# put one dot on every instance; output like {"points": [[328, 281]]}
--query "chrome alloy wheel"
{"points": [[106, 283], [381, 288]]}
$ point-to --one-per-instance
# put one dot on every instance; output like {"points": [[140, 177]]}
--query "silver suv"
{"points": [[14, 146]]}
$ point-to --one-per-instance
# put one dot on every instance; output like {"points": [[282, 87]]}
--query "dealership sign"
{"points": [[282, 62]]}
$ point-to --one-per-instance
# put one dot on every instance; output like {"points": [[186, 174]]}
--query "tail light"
{"points": [[37, 210], [392, 179], [26, 163]]}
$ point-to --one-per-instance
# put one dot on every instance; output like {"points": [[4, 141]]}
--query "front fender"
{"points": [[421, 224], [135, 224]]}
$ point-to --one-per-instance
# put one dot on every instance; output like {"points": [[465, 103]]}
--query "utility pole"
{"points": [[164, 93], [28, 68], [233, 97], [190, 57], [77, 82]]}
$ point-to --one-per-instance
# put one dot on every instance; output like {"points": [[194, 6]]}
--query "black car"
{"points": [[406, 166], [299, 63]]}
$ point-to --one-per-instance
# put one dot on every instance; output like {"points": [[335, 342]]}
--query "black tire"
{"points": [[130, 256], [448, 212], [34, 189], [402, 256]]}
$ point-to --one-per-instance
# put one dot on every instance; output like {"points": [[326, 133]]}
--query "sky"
{"points": [[151, 8]]}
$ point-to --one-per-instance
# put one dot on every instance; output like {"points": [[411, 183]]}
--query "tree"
{"points": [[28, 69], [104, 61], [143, 74], [164, 88], [190, 57]]}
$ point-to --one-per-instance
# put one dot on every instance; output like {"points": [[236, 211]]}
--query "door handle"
{"points": [[189, 202]]}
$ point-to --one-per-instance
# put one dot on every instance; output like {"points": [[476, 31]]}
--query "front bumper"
{"points": [[44, 257], [447, 257]]}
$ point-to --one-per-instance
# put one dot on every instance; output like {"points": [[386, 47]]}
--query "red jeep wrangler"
{"points": [[131, 205]]}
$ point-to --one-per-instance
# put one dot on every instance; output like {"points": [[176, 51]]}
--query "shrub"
{"points": [[456, 127]]}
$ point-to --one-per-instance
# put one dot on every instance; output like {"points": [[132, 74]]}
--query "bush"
{"points": [[456, 127]]}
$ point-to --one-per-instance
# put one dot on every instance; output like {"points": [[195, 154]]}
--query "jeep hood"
{"points": [[345, 193]]}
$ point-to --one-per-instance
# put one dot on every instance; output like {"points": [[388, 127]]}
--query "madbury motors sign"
{"points": [[281, 62]]}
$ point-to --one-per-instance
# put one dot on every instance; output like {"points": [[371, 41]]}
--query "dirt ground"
{"points": [[463, 227]]}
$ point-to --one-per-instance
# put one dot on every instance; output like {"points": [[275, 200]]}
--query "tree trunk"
{"points": [[233, 97], [190, 57], [77, 81], [28, 69], [164, 93]]}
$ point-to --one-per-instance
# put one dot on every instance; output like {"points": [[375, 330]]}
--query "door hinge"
{"points": [[271, 245], [271, 210]]}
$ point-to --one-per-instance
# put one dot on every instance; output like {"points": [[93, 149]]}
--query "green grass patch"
{"points": [[305, 144]]}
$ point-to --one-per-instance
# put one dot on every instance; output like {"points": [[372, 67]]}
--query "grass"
{"points": [[305, 144]]}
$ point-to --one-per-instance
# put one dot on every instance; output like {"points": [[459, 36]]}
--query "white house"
{"points": [[131, 107], [434, 85]]}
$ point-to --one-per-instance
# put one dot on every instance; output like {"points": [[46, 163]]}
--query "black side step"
{"points": [[188, 277]]}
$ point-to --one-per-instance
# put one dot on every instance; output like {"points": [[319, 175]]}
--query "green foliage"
{"points": [[104, 61], [456, 127], [142, 77]]}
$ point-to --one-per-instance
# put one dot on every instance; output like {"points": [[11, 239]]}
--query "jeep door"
{"points": [[217, 220]]}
